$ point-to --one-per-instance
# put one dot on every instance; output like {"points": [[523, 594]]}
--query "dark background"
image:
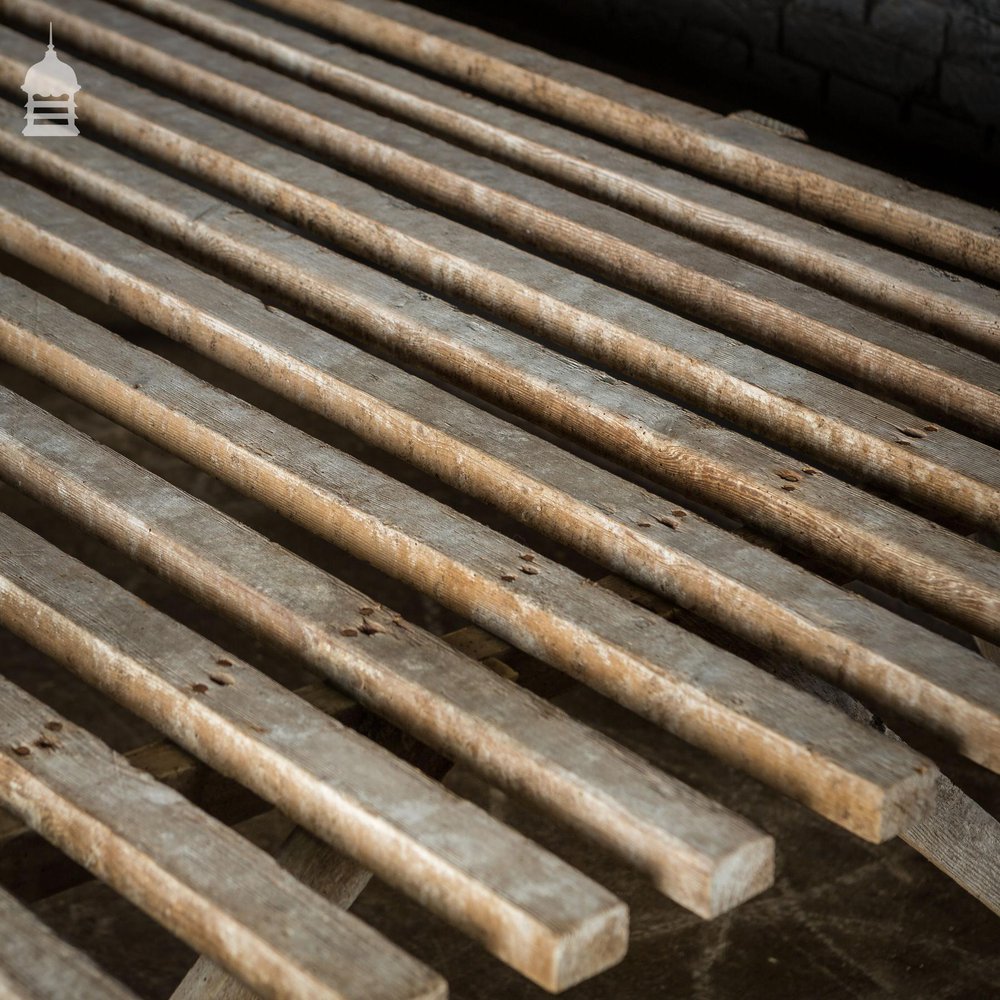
{"points": [[911, 86]]}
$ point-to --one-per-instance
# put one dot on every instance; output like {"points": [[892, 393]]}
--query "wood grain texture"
{"points": [[870, 439], [932, 681], [716, 288], [819, 329], [526, 906], [896, 551], [37, 965], [700, 692], [194, 875], [956, 834], [961, 838], [734, 152], [327, 872], [33, 869], [862, 272], [697, 852]]}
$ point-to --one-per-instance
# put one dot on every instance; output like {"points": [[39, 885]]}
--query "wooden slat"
{"points": [[315, 864], [842, 426], [32, 869], [941, 379], [734, 152], [526, 906], [956, 834], [890, 548], [961, 838], [718, 289], [37, 965], [702, 693], [192, 874], [929, 680], [697, 852], [882, 280]]}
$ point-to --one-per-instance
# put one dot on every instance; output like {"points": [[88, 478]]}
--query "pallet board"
{"points": [[877, 541], [696, 852], [777, 239]]}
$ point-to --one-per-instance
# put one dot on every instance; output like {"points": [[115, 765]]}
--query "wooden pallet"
{"points": [[735, 371]]}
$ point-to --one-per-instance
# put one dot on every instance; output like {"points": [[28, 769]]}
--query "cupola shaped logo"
{"points": [[51, 88]]}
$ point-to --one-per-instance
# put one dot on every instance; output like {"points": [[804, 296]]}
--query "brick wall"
{"points": [[920, 70], [928, 68]]}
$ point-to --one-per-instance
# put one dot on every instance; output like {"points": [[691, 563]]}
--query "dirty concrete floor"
{"points": [[845, 919]]}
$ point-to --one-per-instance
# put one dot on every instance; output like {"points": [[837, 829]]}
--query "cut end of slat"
{"points": [[903, 803], [596, 943], [433, 988], [985, 755], [743, 873], [979, 738]]}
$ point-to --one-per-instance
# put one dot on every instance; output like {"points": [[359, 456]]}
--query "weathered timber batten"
{"points": [[615, 319]]}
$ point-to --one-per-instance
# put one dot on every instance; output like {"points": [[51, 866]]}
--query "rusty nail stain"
{"points": [[350, 632], [223, 662], [366, 610], [223, 680], [644, 524], [788, 488], [679, 513], [527, 556], [22, 751], [44, 743], [54, 727], [809, 471], [508, 577], [530, 570], [199, 688], [788, 475]]}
